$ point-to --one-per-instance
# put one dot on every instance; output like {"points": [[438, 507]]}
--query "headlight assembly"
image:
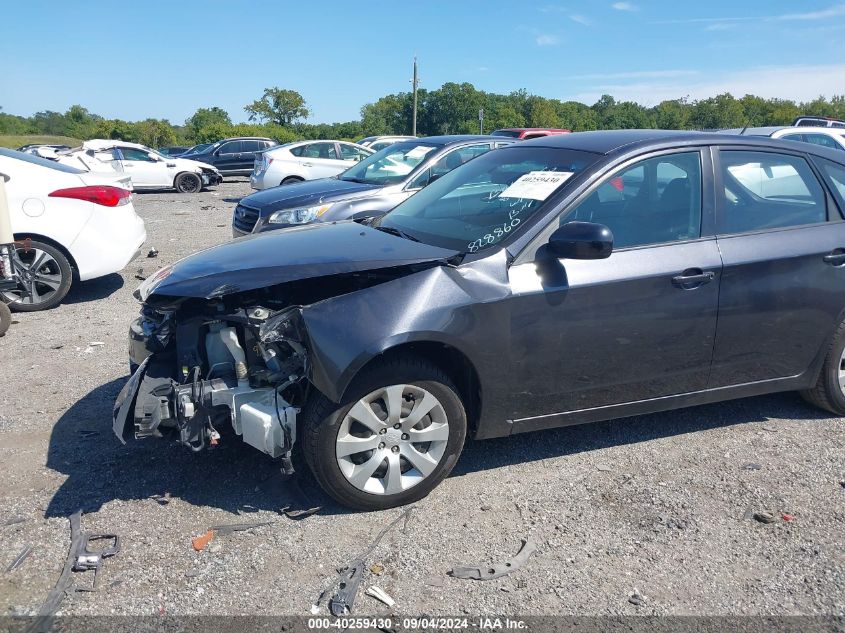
{"points": [[298, 216]]}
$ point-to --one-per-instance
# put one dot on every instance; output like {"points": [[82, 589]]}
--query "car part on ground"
{"points": [[369, 188], [497, 570], [5, 313], [304, 160], [79, 558], [345, 587], [492, 303], [19, 559]]}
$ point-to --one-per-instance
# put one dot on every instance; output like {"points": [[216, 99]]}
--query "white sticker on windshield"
{"points": [[418, 152], [536, 185]]}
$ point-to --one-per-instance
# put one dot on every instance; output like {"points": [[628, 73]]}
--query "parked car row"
{"points": [[370, 187]]}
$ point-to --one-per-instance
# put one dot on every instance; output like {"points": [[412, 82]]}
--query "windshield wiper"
{"points": [[397, 232], [358, 180]]}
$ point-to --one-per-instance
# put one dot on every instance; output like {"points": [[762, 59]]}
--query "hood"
{"points": [[267, 259], [308, 193], [187, 163]]}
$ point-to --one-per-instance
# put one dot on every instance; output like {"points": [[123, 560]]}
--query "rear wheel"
{"points": [[5, 318], [44, 277], [290, 180], [829, 390], [186, 182], [396, 437]]}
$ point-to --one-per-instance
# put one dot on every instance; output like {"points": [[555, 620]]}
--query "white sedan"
{"points": [[67, 223], [304, 160], [147, 168]]}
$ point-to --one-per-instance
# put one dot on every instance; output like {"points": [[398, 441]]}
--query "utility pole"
{"points": [[415, 81], [481, 120]]}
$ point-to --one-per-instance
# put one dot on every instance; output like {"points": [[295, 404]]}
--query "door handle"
{"points": [[693, 278], [835, 258], [307, 164]]}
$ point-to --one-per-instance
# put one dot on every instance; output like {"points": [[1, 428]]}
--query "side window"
{"points": [[320, 150], [350, 152], [456, 158], [298, 151], [822, 139], [654, 201], [232, 147], [835, 175], [251, 146], [130, 153], [793, 137], [764, 190]]}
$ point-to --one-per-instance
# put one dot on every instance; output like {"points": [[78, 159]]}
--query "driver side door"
{"points": [[144, 169], [641, 324]]}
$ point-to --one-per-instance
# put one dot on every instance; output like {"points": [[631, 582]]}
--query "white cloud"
{"points": [[544, 39], [721, 26], [800, 83], [830, 12], [624, 6], [580, 19]]}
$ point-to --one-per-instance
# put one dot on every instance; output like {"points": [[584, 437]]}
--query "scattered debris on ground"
{"points": [[490, 572]]}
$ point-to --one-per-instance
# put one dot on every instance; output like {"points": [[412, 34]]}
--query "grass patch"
{"points": [[16, 141]]}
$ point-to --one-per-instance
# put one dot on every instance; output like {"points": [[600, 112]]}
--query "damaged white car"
{"points": [[148, 168]]}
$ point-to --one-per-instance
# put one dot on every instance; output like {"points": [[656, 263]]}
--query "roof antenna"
{"points": [[745, 128]]}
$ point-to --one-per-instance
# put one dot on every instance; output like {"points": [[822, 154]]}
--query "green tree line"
{"points": [[451, 109]]}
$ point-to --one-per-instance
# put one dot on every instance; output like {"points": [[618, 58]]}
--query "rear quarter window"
{"points": [[834, 174]]}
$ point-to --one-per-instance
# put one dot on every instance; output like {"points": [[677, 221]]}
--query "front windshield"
{"points": [[479, 204], [391, 165]]}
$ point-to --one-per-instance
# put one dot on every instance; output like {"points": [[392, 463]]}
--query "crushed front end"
{"points": [[207, 366]]}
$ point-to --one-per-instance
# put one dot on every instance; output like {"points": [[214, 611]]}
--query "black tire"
{"points": [[827, 393], [291, 180], [5, 318], [60, 276], [322, 420], [187, 182]]}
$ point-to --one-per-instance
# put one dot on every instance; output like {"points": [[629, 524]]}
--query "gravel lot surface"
{"points": [[648, 515]]}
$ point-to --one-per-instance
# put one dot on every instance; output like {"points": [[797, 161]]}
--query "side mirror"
{"points": [[582, 240]]}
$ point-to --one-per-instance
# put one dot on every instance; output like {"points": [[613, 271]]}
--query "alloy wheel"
{"points": [[392, 439], [841, 375], [39, 277]]}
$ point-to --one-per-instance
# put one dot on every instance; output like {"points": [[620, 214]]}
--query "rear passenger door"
{"points": [[782, 240], [321, 160]]}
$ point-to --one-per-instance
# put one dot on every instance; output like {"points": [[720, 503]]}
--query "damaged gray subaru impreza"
{"points": [[558, 281]]}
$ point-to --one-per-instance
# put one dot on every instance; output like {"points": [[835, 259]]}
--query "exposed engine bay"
{"points": [[239, 360]]}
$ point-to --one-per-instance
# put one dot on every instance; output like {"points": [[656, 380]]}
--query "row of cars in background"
{"points": [[63, 198]]}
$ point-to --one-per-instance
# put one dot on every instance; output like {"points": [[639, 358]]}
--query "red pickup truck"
{"points": [[525, 133]]}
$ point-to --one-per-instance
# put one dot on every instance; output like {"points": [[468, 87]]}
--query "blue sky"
{"points": [[134, 60]]}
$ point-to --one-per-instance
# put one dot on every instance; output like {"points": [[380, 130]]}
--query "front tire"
{"points": [[829, 390], [44, 280], [5, 318], [395, 437], [186, 182]]}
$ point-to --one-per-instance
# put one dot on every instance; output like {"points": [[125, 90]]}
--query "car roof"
{"points": [[452, 139], [609, 141]]}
